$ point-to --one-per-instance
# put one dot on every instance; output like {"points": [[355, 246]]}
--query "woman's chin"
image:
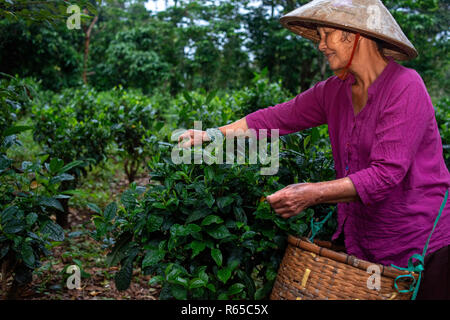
{"points": [[335, 66]]}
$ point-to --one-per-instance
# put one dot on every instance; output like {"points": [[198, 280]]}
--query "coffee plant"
{"points": [[132, 119], [204, 232], [72, 127], [29, 196]]}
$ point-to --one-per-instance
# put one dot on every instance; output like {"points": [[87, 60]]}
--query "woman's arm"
{"points": [[306, 110], [196, 137], [295, 198], [236, 128], [340, 190]]}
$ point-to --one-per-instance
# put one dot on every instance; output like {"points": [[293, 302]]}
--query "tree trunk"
{"points": [[87, 40]]}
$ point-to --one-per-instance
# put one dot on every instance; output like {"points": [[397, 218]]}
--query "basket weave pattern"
{"points": [[316, 272]]}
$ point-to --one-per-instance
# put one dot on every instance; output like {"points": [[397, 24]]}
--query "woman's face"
{"points": [[336, 45]]}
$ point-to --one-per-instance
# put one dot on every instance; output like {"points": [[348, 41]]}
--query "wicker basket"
{"points": [[319, 271]]}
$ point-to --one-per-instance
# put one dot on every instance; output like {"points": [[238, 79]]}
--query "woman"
{"points": [[391, 174]]}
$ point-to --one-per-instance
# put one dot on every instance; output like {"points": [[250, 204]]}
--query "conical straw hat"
{"points": [[368, 17]]}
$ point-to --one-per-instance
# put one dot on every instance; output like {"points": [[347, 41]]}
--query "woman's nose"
{"points": [[322, 46]]}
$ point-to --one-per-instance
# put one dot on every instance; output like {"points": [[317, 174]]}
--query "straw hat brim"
{"points": [[307, 28]]}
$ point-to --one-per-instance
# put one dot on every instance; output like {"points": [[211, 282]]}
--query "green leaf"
{"points": [[179, 292], [211, 219], [154, 222], [128, 199], [110, 211], [248, 235], [196, 283], [315, 135], [152, 257], [119, 250], [197, 214], [27, 255], [211, 287], [8, 213], [181, 281], [4, 163], [178, 230], [13, 226], [235, 289], [203, 275], [220, 232], [53, 230], [61, 177], [76, 192], [56, 165], [94, 208], [31, 218], [222, 202], [216, 254], [209, 200], [306, 142], [156, 280], [222, 296], [193, 228], [224, 274], [16, 130], [159, 205], [51, 202], [123, 277], [187, 97], [73, 164], [197, 247], [249, 283]]}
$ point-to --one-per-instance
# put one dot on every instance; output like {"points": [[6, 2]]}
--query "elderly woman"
{"points": [[391, 174]]}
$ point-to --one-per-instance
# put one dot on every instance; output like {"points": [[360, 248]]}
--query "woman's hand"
{"points": [[192, 138], [293, 199]]}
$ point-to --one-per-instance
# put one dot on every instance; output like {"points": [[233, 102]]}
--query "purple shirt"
{"points": [[392, 152]]}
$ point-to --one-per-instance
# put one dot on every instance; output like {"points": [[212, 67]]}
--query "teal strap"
{"points": [[420, 264], [317, 226]]}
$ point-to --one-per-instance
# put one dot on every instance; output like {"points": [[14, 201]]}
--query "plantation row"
{"points": [[202, 231]]}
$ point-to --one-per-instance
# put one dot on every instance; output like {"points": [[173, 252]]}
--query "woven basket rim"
{"points": [[326, 249]]}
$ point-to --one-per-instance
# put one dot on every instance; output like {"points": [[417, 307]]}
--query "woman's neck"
{"points": [[366, 66]]}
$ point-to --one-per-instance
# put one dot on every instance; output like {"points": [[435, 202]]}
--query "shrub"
{"points": [[260, 94], [29, 196], [72, 127], [15, 99], [205, 232], [132, 119]]}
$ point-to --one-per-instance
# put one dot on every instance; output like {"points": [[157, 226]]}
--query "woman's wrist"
{"points": [[340, 190]]}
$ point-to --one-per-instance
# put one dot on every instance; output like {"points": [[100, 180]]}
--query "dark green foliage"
{"points": [[29, 196], [260, 94], [16, 96], [71, 126], [205, 232], [52, 53], [132, 119], [442, 111]]}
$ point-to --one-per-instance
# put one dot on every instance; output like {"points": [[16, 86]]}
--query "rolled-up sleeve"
{"points": [[305, 111], [399, 132]]}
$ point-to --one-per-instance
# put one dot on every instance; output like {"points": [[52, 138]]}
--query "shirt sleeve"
{"points": [[305, 111], [401, 128]]}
